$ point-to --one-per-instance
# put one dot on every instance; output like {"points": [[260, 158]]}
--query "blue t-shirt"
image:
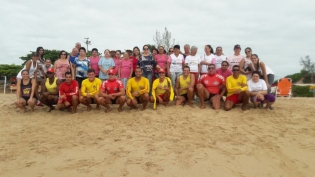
{"points": [[71, 58], [81, 67], [105, 64]]}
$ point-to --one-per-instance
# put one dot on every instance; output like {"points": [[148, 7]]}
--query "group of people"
{"points": [[138, 77]]}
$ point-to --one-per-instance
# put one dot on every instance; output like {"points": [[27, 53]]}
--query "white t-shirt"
{"points": [[193, 62], [176, 63], [218, 61], [234, 60], [206, 58], [258, 86]]}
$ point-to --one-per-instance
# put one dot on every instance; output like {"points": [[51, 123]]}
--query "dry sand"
{"points": [[173, 141]]}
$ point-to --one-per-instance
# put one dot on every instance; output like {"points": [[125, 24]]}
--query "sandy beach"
{"points": [[167, 142]]}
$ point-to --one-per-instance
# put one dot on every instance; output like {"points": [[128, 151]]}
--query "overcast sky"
{"points": [[280, 32]]}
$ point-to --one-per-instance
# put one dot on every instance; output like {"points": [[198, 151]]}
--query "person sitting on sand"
{"points": [[237, 92], [25, 92], [162, 90], [69, 94], [138, 90], [50, 90], [258, 91], [112, 92], [90, 87], [209, 88], [184, 88]]}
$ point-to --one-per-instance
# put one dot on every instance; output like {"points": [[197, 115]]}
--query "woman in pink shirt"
{"points": [[246, 64], [161, 60], [94, 59], [126, 69], [224, 70], [61, 66], [117, 61]]}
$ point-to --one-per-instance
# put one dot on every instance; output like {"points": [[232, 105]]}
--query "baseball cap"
{"points": [[162, 70], [237, 46], [111, 71], [50, 70]]}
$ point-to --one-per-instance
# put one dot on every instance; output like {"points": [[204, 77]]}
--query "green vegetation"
{"points": [[301, 91], [10, 70]]}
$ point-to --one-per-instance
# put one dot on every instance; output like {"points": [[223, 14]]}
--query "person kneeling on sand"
{"points": [[258, 91], [209, 88], [138, 90], [112, 92], [69, 94], [89, 88], [50, 90], [162, 90], [25, 91], [184, 88], [237, 92]]}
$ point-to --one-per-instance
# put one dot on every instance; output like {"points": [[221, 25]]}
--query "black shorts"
{"points": [[210, 96], [80, 80], [185, 96], [114, 100], [138, 99]]}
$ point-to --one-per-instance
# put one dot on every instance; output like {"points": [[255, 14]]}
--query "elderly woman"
{"points": [[258, 91], [25, 93]]}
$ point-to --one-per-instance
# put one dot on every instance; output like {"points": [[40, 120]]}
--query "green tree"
{"points": [[10, 70], [51, 54]]}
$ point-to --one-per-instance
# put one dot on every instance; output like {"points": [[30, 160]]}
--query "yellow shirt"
{"points": [[52, 87], [90, 87], [156, 84], [163, 84], [233, 84], [141, 87], [184, 83]]}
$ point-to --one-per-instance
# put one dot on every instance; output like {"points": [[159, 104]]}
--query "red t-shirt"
{"points": [[69, 89], [212, 83], [135, 62], [113, 86]]}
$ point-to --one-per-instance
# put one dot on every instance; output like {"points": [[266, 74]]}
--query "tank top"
{"points": [[31, 71], [52, 87], [26, 90], [268, 70], [184, 83], [164, 84], [62, 68], [247, 63]]}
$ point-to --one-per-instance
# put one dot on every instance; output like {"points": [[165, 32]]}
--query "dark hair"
{"points": [[155, 50], [236, 66], [247, 48], [48, 59], [218, 47], [145, 45], [134, 49], [35, 54], [25, 70], [138, 68], [256, 72], [186, 67], [37, 51], [256, 68], [94, 49], [68, 73], [176, 47], [209, 46], [82, 48], [225, 62], [211, 64], [118, 51], [62, 52], [91, 70], [107, 50]]}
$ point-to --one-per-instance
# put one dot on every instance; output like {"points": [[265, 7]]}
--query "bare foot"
{"points": [[120, 109], [108, 110], [166, 104], [67, 103], [190, 105], [142, 109], [97, 107], [243, 107], [69, 109], [51, 108], [23, 110], [202, 107], [88, 108], [32, 109]]}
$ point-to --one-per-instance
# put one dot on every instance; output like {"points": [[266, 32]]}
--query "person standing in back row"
{"points": [[206, 59], [80, 66], [175, 64], [106, 63], [219, 57], [236, 58], [193, 61], [94, 59]]}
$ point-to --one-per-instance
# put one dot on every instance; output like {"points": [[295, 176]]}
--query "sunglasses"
{"points": [[224, 65], [146, 49], [211, 68], [235, 70]]}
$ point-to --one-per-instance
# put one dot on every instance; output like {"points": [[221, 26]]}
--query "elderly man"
{"points": [[186, 50], [74, 54], [78, 45]]}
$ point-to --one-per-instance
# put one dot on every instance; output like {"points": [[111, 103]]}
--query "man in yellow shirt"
{"points": [[237, 91], [138, 90], [90, 87], [162, 90]]}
